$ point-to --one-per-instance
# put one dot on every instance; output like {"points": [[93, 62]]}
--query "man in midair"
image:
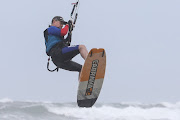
{"points": [[58, 48]]}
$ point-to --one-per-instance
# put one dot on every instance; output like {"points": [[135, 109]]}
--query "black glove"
{"points": [[70, 25]]}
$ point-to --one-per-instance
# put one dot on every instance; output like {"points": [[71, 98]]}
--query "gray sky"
{"points": [[141, 38]]}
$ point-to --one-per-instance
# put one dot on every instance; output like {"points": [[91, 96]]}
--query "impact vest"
{"points": [[52, 36]]}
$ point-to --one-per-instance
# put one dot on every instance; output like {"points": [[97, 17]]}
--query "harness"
{"points": [[61, 44]]}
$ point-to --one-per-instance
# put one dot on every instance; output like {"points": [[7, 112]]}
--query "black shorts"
{"points": [[61, 57]]}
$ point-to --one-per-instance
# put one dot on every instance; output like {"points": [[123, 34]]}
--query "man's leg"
{"points": [[70, 66], [67, 54], [71, 51], [83, 51]]}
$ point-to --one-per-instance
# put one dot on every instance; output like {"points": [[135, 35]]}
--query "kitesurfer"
{"points": [[58, 48]]}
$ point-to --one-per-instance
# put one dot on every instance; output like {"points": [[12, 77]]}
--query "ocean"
{"points": [[28, 110]]}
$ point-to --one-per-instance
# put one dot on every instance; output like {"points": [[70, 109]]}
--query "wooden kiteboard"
{"points": [[91, 78]]}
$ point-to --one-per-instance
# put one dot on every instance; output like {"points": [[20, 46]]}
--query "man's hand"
{"points": [[70, 23]]}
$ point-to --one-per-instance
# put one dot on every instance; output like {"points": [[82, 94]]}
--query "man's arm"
{"points": [[64, 30]]}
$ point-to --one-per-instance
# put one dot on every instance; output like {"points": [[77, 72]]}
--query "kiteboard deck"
{"points": [[91, 78]]}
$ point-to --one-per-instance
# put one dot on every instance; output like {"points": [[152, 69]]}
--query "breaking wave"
{"points": [[28, 110]]}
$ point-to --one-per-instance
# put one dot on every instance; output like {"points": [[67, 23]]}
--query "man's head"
{"points": [[58, 21]]}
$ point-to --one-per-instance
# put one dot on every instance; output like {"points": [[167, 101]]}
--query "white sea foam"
{"points": [[70, 111], [5, 100], [107, 112]]}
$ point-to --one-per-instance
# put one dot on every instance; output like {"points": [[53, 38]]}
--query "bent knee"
{"points": [[82, 47]]}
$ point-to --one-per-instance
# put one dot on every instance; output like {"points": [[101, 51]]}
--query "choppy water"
{"points": [[12, 110]]}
